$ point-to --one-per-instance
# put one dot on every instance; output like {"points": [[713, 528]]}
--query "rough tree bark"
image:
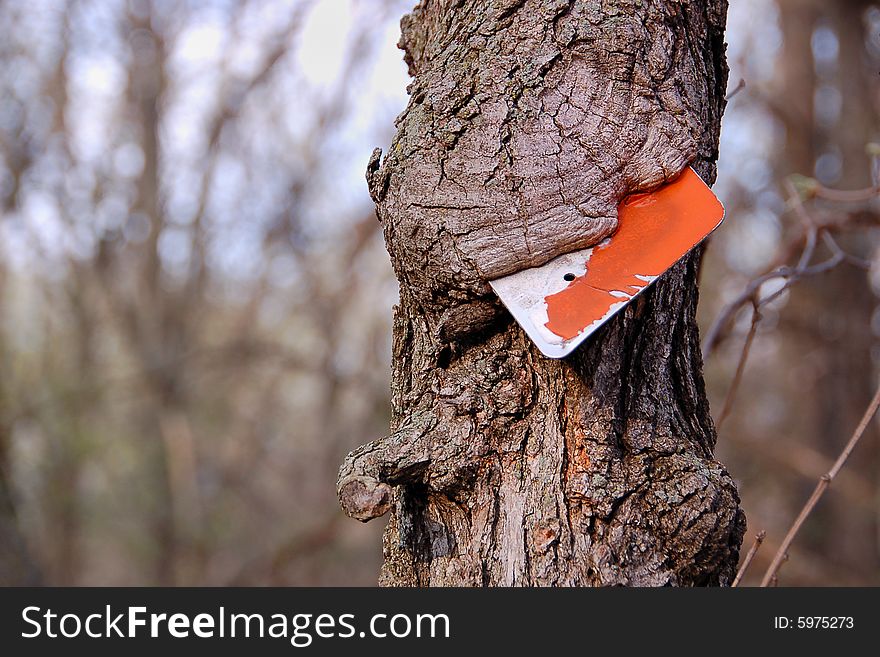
{"points": [[528, 121]]}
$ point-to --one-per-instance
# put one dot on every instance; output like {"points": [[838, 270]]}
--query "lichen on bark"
{"points": [[528, 121]]}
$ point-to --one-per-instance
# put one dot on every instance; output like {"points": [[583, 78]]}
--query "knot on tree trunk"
{"points": [[368, 473], [364, 498]]}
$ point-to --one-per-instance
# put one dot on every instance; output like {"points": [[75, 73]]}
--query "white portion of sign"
{"points": [[523, 294]]}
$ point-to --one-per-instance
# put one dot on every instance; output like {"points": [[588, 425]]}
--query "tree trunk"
{"points": [[528, 121], [17, 568]]}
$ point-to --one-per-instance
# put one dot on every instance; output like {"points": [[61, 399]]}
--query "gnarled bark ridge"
{"points": [[528, 121]]}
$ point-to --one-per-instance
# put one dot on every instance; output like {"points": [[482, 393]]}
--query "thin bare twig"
{"points": [[847, 195], [740, 368], [820, 489], [808, 464], [834, 247], [739, 87], [774, 581], [812, 231], [750, 555]]}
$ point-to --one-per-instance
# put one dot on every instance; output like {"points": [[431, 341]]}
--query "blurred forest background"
{"points": [[195, 300]]}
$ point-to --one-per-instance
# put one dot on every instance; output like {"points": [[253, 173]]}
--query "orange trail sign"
{"points": [[560, 304]]}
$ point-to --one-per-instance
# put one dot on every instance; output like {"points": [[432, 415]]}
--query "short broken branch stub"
{"points": [[364, 498]]}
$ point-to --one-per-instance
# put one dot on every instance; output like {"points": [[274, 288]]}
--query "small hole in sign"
{"points": [[569, 277]]}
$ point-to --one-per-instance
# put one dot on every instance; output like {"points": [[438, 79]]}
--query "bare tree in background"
{"points": [[528, 121], [195, 298], [811, 372], [832, 316], [191, 333]]}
